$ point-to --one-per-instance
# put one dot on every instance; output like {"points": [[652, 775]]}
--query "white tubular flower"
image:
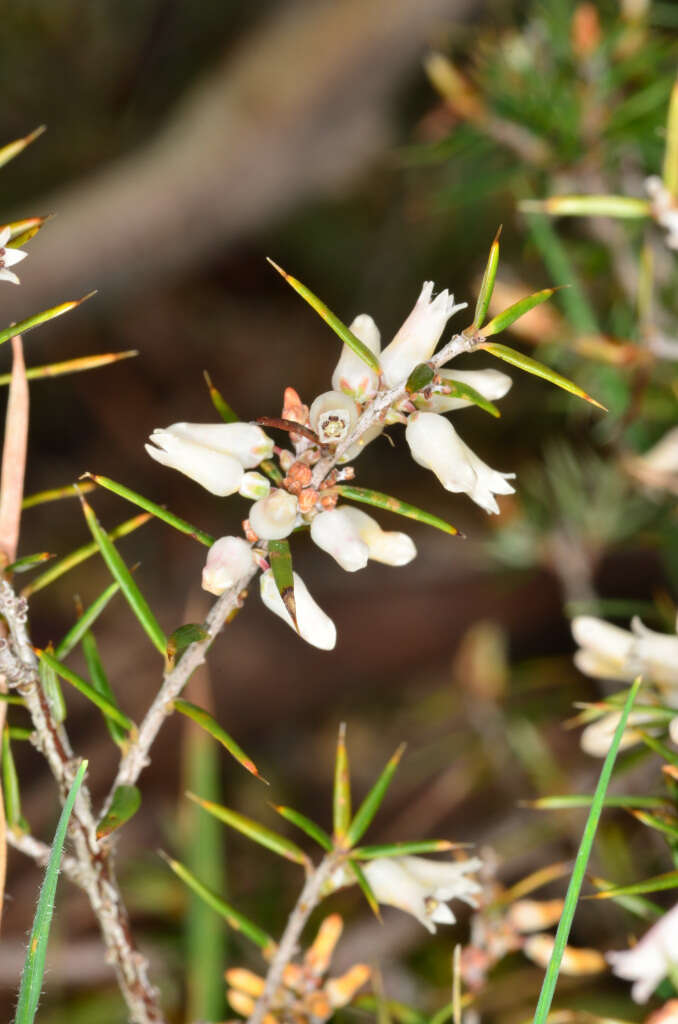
{"points": [[387, 546], [215, 470], [416, 340], [355, 450], [333, 416], [657, 653], [8, 257], [664, 209], [315, 627], [435, 445], [422, 887], [662, 458], [491, 384], [254, 486], [335, 533], [351, 375], [605, 649], [246, 442], [274, 517], [228, 560], [597, 737], [651, 958]]}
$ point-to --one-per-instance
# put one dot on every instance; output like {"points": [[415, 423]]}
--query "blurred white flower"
{"points": [[274, 517], [608, 652], [651, 958], [8, 257], [662, 458], [491, 384], [664, 209], [228, 560], [333, 416], [435, 445], [315, 626], [388, 546], [335, 533], [422, 887], [596, 739], [254, 486], [351, 375], [416, 340]]}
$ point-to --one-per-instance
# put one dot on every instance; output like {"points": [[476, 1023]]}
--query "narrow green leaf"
{"points": [[624, 207], [110, 710], [124, 805], [568, 801], [341, 803], [10, 698], [659, 748], [670, 171], [347, 336], [555, 255], [207, 722], [23, 231], [123, 576], [665, 823], [81, 554], [372, 801], [280, 557], [574, 888], [29, 562], [20, 732], [72, 366], [315, 832], [56, 494], [361, 878], [34, 966], [646, 909], [219, 402], [51, 687], [514, 312], [100, 682], [237, 921], [404, 849], [369, 497], [420, 378], [669, 880], [10, 782], [529, 365], [459, 390], [12, 149], [40, 318], [182, 638], [487, 284], [253, 830], [85, 622], [150, 506]]}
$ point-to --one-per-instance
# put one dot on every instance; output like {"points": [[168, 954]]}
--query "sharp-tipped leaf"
{"points": [[668, 880], [404, 849], [150, 506], [56, 494], [219, 402], [10, 782], [51, 687], [85, 622], [372, 801], [280, 557], [339, 328], [72, 366], [100, 682], [459, 390], [29, 562], [514, 312], [530, 365], [625, 207], [487, 284], [237, 921], [40, 318], [34, 966], [123, 576], [124, 805], [341, 801], [69, 676], [361, 878], [207, 722], [253, 830], [315, 832], [401, 508], [12, 149]]}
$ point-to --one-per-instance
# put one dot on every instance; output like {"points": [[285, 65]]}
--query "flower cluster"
{"points": [[8, 257], [302, 490]]}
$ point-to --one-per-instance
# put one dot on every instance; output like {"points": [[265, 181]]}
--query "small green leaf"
{"points": [[207, 722], [123, 576], [670, 172], [469, 394], [110, 710], [280, 558], [182, 638], [624, 207], [10, 782], [150, 506], [529, 365], [34, 966], [219, 402], [347, 336], [570, 800], [253, 830], [20, 732], [487, 284], [40, 318], [514, 312], [55, 494], [124, 805], [372, 801], [403, 849], [420, 378], [342, 789], [29, 562], [361, 878], [85, 622], [12, 149], [312, 830], [51, 688], [24, 230], [100, 682], [235, 920], [10, 698], [401, 508], [72, 366], [81, 554]]}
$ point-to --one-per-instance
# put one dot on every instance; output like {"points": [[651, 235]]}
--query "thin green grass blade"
{"points": [[85, 622], [150, 506], [34, 966], [12, 149], [404, 849], [315, 832], [280, 557], [56, 494], [372, 801], [487, 284], [80, 555], [10, 782], [97, 674], [669, 880], [80, 365], [253, 830], [401, 508], [341, 800], [237, 921], [124, 805], [29, 562], [638, 905], [339, 328], [529, 365], [123, 576], [67, 674], [624, 207], [41, 318], [569, 800], [579, 870], [51, 687], [207, 722]]}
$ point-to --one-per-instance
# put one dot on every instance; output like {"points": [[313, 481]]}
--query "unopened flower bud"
{"points": [[334, 532], [275, 516], [315, 626], [254, 486], [416, 340], [228, 560], [333, 416], [351, 375]]}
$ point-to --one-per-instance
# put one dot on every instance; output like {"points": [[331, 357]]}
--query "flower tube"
{"points": [[416, 340], [315, 627]]}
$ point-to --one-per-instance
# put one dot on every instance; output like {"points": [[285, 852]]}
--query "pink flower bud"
{"points": [[228, 560]]}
